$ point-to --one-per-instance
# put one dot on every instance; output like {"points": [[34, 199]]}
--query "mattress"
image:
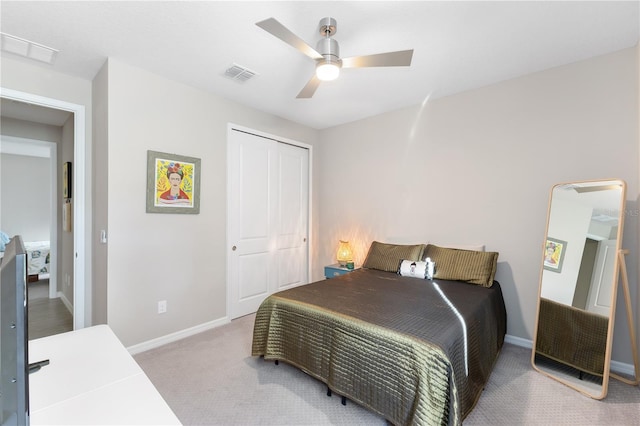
{"points": [[38, 257], [415, 351]]}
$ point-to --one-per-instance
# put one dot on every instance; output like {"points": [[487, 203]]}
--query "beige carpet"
{"points": [[211, 379]]}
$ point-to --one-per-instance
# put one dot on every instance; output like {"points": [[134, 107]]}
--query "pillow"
{"points": [[4, 240], [387, 257], [476, 267], [413, 268], [474, 247]]}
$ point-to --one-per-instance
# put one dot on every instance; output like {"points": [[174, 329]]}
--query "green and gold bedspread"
{"points": [[414, 351]]}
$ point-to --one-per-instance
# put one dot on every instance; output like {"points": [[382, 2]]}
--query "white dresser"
{"points": [[92, 379]]}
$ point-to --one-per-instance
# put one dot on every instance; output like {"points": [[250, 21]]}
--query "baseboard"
{"points": [[178, 335], [66, 302], [518, 341], [622, 368], [616, 366]]}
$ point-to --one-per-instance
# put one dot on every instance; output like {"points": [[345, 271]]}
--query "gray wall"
{"points": [[63, 137], [25, 196], [473, 168], [23, 76], [174, 257], [477, 168], [100, 186]]}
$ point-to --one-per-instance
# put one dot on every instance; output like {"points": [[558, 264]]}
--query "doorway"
{"points": [[268, 217], [81, 293]]}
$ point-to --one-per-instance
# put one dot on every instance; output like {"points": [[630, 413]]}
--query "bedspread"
{"points": [[415, 351], [38, 257]]}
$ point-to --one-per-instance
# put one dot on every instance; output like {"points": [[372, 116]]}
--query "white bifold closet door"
{"points": [[268, 219]]}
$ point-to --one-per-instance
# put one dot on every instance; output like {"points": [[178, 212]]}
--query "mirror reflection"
{"points": [[578, 284]]}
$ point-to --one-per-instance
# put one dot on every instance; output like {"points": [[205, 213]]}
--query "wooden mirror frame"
{"points": [[584, 387]]}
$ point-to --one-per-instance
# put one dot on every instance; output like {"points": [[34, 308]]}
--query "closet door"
{"points": [[267, 222]]}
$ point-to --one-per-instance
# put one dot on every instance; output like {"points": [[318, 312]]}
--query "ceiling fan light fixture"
{"points": [[327, 70]]}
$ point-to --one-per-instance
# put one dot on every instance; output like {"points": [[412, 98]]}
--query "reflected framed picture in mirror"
{"points": [[554, 250]]}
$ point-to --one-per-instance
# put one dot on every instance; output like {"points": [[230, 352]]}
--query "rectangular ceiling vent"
{"points": [[239, 73], [28, 49]]}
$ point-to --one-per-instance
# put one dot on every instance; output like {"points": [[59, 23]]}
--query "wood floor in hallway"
{"points": [[46, 316]]}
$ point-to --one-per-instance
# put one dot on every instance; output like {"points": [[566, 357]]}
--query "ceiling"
{"points": [[458, 46]]}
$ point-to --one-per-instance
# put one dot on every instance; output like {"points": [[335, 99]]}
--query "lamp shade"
{"points": [[345, 254], [327, 71]]}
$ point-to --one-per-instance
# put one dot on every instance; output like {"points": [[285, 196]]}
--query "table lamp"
{"points": [[345, 254]]}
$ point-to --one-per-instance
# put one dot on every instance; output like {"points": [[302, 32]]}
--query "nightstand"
{"points": [[334, 270]]}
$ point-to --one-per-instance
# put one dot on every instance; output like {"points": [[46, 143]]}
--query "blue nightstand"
{"points": [[336, 270]]}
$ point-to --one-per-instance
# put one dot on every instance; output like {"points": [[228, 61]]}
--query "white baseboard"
{"points": [[66, 302], [518, 341], [178, 335], [622, 368], [616, 366]]}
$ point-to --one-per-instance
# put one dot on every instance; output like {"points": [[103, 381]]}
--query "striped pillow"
{"points": [[476, 267], [387, 257]]}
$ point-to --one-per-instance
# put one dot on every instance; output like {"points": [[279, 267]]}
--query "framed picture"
{"points": [[554, 251], [66, 180], [173, 183], [66, 216]]}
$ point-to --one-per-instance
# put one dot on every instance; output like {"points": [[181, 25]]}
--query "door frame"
{"points": [[234, 127], [82, 310]]}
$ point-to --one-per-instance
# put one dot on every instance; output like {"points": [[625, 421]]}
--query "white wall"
{"points": [[173, 257], [477, 168], [25, 196], [570, 224]]}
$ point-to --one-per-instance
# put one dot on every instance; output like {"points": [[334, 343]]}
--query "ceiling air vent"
{"points": [[239, 73], [28, 49]]}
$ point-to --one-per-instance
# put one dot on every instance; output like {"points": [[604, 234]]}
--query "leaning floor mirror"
{"points": [[581, 260]]}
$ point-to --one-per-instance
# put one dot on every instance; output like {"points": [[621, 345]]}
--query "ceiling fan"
{"points": [[327, 53]]}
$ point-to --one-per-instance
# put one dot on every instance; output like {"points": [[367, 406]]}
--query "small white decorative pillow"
{"points": [[413, 268]]}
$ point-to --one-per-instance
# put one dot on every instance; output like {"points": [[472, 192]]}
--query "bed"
{"points": [[415, 351], [38, 260]]}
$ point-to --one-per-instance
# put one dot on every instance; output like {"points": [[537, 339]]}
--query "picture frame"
{"points": [[173, 183], [553, 256], [66, 180], [66, 216]]}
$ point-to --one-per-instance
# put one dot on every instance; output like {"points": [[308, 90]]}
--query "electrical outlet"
{"points": [[162, 306]]}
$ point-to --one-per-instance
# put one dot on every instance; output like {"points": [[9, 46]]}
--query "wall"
{"points": [[100, 186], [173, 257], [636, 212], [570, 224], [65, 238], [477, 168], [29, 130], [23, 75], [25, 188]]}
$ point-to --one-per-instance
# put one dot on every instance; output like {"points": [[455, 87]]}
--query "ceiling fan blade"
{"points": [[275, 28], [390, 59], [310, 88]]}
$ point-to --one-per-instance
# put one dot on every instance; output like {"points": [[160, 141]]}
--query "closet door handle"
{"points": [[233, 248]]}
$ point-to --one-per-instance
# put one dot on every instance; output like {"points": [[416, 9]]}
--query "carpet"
{"points": [[210, 379]]}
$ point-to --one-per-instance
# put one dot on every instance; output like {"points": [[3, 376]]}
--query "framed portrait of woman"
{"points": [[173, 183], [554, 251]]}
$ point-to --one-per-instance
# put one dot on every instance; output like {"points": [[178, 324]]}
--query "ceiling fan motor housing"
{"points": [[328, 47]]}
